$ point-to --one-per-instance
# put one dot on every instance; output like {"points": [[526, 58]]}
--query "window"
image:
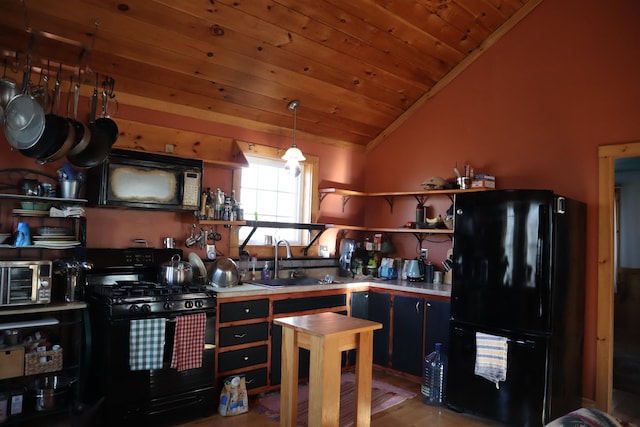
{"points": [[268, 193]]}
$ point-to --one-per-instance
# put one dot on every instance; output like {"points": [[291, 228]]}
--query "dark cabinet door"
{"points": [[437, 325], [408, 330], [360, 305], [380, 311], [359, 309]]}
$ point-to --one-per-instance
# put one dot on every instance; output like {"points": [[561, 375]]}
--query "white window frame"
{"points": [[309, 200]]}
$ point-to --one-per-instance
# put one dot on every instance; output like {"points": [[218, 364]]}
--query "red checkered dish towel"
{"points": [[188, 343]]}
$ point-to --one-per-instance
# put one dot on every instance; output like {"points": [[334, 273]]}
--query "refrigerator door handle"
{"points": [[524, 343]]}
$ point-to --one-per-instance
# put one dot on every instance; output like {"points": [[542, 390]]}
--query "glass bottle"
{"points": [[433, 384], [420, 212]]}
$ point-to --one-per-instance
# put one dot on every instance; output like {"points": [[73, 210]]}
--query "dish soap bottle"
{"points": [[266, 274]]}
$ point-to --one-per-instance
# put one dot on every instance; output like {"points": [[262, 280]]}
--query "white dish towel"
{"points": [[491, 357]]}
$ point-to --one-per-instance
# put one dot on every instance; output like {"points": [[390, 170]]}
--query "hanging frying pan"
{"points": [[68, 142], [83, 134], [105, 122], [57, 133], [99, 146]]}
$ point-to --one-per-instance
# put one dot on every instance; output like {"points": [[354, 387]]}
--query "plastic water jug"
{"points": [[433, 384]]}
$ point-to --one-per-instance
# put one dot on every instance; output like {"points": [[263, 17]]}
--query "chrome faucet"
{"points": [[276, 269]]}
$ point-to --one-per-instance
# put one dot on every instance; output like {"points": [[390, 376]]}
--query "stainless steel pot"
{"points": [[175, 272], [51, 392], [24, 119]]}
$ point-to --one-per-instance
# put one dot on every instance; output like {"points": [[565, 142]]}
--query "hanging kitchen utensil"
{"points": [[99, 146], [58, 134], [24, 118], [83, 134], [105, 122], [40, 92], [8, 88], [191, 240]]}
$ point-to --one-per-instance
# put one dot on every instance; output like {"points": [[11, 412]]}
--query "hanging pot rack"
{"points": [[72, 57]]}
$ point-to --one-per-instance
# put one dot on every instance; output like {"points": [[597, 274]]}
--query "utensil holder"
{"points": [[69, 189]]}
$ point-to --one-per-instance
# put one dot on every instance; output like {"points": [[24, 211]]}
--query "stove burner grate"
{"points": [[123, 289]]}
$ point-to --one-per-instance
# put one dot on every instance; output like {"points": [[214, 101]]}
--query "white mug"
{"points": [[437, 277]]}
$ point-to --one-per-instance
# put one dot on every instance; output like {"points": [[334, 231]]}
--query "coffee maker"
{"points": [[347, 247]]}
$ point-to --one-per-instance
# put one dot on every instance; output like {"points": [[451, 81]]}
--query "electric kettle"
{"points": [[415, 270]]}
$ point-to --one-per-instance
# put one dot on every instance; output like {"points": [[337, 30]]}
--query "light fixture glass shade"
{"points": [[293, 156], [293, 168], [293, 153]]}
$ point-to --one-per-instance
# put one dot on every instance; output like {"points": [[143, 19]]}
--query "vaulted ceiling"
{"points": [[358, 67]]}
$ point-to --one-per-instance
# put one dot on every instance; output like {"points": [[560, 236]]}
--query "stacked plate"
{"points": [[30, 212], [54, 238]]}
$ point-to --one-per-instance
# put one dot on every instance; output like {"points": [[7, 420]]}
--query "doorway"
{"points": [[607, 156]]}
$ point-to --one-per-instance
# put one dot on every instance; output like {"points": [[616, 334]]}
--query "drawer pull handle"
{"points": [[249, 381], [246, 310], [246, 358], [240, 335]]}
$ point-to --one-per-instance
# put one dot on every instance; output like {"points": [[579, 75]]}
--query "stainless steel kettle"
{"points": [[415, 270]]}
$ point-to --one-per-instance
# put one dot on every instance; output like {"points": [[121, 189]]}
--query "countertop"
{"points": [[250, 290]]}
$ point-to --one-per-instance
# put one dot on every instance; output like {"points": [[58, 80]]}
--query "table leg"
{"points": [[364, 356], [289, 379], [324, 382]]}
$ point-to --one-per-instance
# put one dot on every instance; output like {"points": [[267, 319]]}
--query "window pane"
{"points": [[266, 189]]}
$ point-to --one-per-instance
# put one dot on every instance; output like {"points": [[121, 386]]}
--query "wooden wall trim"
{"points": [[607, 156]]}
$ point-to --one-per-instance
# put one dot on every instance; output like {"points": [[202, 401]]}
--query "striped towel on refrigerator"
{"points": [[188, 343], [491, 357], [146, 344]]}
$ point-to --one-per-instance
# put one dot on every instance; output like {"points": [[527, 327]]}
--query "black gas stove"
{"points": [[121, 288], [128, 298], [125, 280]]}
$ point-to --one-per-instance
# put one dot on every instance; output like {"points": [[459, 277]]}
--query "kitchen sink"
{"points": [[286, 282]]}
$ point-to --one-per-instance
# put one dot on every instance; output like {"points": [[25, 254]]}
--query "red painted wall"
{"points": [[532, 110]]}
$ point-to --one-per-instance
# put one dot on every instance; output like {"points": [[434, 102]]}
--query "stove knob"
{"points": [[199, 303], [188, 304], [134, 308], [146, 308], [168, 305]]}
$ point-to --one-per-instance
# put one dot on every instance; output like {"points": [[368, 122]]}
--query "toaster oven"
{"points": [[25, 283]]}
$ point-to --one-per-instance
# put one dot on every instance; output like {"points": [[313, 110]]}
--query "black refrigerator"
{"points": [[518, 276]]}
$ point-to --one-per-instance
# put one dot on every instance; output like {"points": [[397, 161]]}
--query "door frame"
{"points": [[607, 155]]}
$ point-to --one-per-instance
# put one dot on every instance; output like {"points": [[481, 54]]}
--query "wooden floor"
{"points": [[408, 413]]}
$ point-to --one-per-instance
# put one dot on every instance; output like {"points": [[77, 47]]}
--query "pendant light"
{"points": [[293, 156]]}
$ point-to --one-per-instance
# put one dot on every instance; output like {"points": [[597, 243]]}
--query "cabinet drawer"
{"points": [[254, 378], [310, 303], [243, 310], [236, 359], [234, 335]]}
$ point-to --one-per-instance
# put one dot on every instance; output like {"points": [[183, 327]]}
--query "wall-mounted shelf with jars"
{"points": [[420, 196]]}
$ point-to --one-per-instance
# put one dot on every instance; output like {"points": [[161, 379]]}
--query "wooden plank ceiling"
{"points": [[358, 67]]}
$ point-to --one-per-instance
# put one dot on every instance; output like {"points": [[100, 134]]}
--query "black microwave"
{"points": [[135, 179]]}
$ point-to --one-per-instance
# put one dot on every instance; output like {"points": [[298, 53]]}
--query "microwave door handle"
{"points": [[3, 286], [34, 282]]}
